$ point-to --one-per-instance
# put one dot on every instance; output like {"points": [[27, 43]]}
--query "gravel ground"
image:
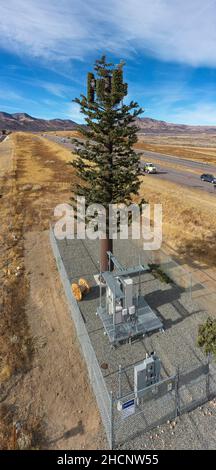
{"points": [[194, 430], [176, 347]]}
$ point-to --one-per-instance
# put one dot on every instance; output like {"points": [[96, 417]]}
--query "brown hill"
{"points": [[153, 126], [25, 122]]}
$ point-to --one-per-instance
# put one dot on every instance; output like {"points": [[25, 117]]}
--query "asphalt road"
{"points": [[181, 176], [202, 167], [2, 138]]}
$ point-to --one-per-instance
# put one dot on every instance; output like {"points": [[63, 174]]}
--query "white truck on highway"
{"points": [[149, 168]]}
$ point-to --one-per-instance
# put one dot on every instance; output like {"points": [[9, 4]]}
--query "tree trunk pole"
{"points": [[106, 244]]}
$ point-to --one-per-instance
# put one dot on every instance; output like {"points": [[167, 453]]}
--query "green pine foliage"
{"points": [[100, 88], [90, 87], [118, 87], [107, 165], [207, 336]]}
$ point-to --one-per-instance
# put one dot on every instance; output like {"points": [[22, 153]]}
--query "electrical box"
{"points": [[147, 373]]}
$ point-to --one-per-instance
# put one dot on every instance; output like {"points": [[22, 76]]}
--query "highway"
{"points": [[3, 137], [182, 176], [201, 166]]}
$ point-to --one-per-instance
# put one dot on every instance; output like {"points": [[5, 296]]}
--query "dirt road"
{"points": [[6, 156], [57, 387]]}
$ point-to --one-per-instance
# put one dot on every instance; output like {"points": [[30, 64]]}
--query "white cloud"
{"points": [[7, 94], [196, 114], [74, 113], [181, 30], [179, 102], [56, 89]]}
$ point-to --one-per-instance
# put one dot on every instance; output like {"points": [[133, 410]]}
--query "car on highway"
{"points": [[150, 168], [209, 178]]}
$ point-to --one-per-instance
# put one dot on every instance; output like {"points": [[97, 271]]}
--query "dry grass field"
{"points": [[200, 147], [189, 218], [65, 133]]}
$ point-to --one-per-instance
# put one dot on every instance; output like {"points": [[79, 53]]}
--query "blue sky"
{"points": [[47, 46]]}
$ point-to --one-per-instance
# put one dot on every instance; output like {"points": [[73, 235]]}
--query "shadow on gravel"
{"points": [[171, 296], [78, 429]]}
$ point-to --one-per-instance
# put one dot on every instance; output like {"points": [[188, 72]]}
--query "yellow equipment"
{"points": [[80, 289]]}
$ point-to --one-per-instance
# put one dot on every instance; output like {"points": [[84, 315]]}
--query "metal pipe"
{"points": [[139, 279], [111, 437], [114, 296], [100, 279], [106, 244], [119, 385], [109, 260]]}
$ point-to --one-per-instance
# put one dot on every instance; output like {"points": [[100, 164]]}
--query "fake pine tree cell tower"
{"points": [[107, 166]]}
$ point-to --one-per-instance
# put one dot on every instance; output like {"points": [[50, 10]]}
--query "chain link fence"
{"points": [[124, 415], [159, 260], [98, 384]]}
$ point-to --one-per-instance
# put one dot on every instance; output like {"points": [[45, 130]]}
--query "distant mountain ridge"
{"points": [[154, 126], [25, 122]]}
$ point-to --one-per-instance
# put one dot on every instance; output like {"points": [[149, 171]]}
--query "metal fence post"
{"points": [[111, 422], [177, 400], [208, 378], [119, 381], [91, 368], [190, 287]]}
